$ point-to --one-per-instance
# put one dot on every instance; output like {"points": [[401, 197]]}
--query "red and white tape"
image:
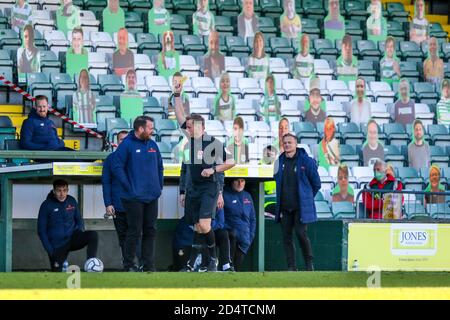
{"points": [[51, 110]]}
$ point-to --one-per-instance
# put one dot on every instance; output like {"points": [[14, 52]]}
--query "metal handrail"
{"points": [[402, 192]]}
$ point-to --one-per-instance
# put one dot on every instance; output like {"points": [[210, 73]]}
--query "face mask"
{"points": [[380, 176]]}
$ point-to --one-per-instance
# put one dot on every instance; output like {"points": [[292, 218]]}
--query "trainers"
{"points": [[203, 269], [133, 269], [187, 268], [230, 269], [212, 267]]}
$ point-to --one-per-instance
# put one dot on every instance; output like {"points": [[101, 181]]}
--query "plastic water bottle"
{"points": [[65, 266], [355, 265]]}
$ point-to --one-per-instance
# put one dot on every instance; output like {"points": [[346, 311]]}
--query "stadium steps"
{"points": [[6, 109]]}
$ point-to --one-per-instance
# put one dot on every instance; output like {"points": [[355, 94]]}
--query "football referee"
{"points": [[200, 184]]}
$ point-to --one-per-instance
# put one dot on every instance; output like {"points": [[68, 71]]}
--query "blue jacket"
{"points": [[112, 188], [57, 222], [184, 233], [139, 167], [308, 185], [39, 133], [240, 216]]}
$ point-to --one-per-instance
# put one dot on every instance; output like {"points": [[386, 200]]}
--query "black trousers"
{"points": [[289, 223], [237, 255], [141, 220], [223, 242], [121, 225], [79, 240]]}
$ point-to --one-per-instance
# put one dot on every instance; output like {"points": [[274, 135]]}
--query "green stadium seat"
{"points": [[368, 50], [311, 27], [153, 108], [319, 197], [355, 9], [368, 70], [50, 62], [410, 178], [395, 29], [353, 28], [178, 23], [9, 39], [306, 133], [410, 51], [439, 134], [271, 8], [314, 9], [267, 26], [438, 156], [396, 11], [148, 44], [62, 85], [409, 70], [236, 45], [12, 144], [193, 45], [416, 211], [133, 20], [323, 210], [438, 32], [228, 8], [103, 113], [39, 84], [350, 133], [7, 130], [184, 7], [343, 210], [281, 47], [6, 65], [349, 155], [396, 133], [425, 92], [114, 125], [446, 50], [165, 150], [110, 83], [438, 210], [224, 25], [394, 155], [324, 49]]}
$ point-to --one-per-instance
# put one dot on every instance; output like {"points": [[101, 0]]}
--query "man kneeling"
{"points": [[61, 228]]}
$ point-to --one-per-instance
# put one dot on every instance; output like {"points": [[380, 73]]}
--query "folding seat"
{"points": [[368, 50], [393, 155], [234, 67], [166, 128], [289, 110], [396, 133], [249, 88], [327, 180], [355, 9], [245, 108], [193, 45], [236, 46], [379, 112], [410, 51], [336, 111], [350, 133], [200, 106], [98, 63], [9, 39], [271, 8], [325, 49], [184, 7], [228, 8], [110, 83], [153, 108], [114, 125], [7, 131], [382, 91], [363, 174], [213, 126], [438, 210], [410, 178], [89, 21], [306, 133], [267, 26], [438, 32], [258, 129], [203, 87], [311, 27], [416, 211], [314, 9], [349, 155], [439, 134], [56, 41], [224, 25], [133, 20], [63, 85], [410, 71], [50, 62], [339, 90], [104, 112], [425, 92], [446, 50], [353, 28], [368, 70], [294, 88], [6, 65], [397, 12], [323, 210], [165, 150], [147, 43], [143, 67], [39, 84], [343, 210], [102, 42], [158, 85], [323, 69], [395, 30], [279, 69], [42, 20], [189, 67]]}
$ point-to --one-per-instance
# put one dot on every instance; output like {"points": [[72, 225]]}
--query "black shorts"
{"points": [[201, 203]]}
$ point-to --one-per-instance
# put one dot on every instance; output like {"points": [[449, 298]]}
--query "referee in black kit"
{"points": [[200, 183]]}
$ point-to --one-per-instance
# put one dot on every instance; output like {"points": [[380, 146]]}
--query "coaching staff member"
{"points": [[61, 228], [298, 181], [139, 168], [199, 188]]}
